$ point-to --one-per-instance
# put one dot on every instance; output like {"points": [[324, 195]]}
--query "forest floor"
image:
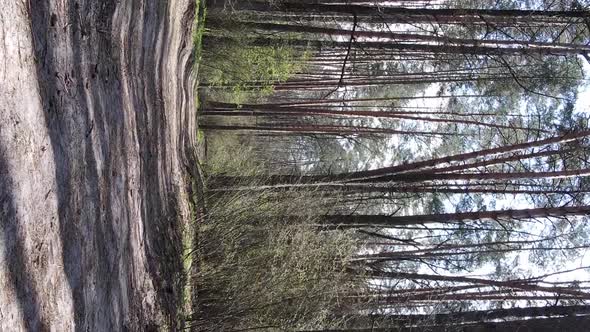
{"points": [[97, 137]]}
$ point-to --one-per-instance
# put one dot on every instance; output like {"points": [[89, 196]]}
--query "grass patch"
{"points": [[200, 136], [199, 29], [189, 230], [188, 243], [257, 267]]}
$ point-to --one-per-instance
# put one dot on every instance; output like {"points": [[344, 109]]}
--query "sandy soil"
{"points": [[96, 123]]}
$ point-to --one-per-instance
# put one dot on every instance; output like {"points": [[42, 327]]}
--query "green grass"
{"points": [[254, 268], [189, 230], [188, 255], [200, 136], [199, 29]]}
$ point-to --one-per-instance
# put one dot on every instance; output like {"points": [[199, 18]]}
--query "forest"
{"points": [[295, 165], [397, 165]]}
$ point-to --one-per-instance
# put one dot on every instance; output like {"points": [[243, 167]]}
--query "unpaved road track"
{"points": [[96, 120]]}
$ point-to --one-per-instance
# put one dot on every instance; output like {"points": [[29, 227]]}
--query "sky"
{"points": [[581, 265], [583, 102]]}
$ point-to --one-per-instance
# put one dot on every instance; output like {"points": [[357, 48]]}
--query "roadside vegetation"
{"points": [[278, 272], [391, 166]]}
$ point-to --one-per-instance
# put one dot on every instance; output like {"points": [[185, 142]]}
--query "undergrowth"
{"points": [[263, 261], [238, 70]]}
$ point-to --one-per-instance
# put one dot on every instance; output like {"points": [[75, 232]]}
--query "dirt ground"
{"points": [[97, 123]]}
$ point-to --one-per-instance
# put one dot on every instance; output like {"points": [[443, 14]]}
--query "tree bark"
{"points": [[297, 7], [384, 220]]}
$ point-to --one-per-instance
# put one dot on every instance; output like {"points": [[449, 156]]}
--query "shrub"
{"points": [[263, 262]]}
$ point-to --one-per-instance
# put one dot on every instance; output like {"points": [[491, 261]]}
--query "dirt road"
{"points": [[96, 120]]}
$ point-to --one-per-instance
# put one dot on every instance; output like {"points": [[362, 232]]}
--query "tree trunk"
{"points": [[298, 7], [565, 324], [412, 37], [384, 220]]}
